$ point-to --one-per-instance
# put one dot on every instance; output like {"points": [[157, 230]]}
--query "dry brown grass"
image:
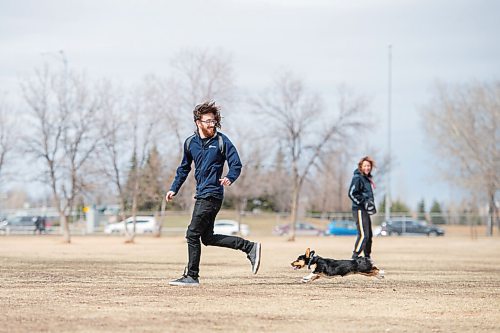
{"points": [[100, 284]]}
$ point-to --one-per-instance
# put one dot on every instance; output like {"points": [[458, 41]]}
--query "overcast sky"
{"points": [[324, 42]]}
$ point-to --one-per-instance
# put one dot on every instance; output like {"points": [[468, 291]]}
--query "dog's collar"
{"points": [[311, 261]]}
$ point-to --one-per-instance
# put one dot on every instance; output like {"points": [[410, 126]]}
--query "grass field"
{"points": [[100, 284]]}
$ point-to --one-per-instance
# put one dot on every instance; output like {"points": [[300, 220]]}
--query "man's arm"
{"points": [[181, 174], [233, 162]]}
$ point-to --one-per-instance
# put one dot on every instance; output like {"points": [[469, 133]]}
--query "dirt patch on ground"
{"points": [[100, 284]]}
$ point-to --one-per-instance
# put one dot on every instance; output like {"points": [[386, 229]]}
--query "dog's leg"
{"points": [[309, 278]]}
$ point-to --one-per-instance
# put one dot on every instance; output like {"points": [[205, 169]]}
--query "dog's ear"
{"points": [[308, 252], [312, 253]]}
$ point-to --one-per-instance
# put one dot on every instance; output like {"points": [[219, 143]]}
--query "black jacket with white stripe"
{"points": [[360, 190]]}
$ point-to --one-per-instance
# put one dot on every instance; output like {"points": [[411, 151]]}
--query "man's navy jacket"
{"points": [[209, 164]]}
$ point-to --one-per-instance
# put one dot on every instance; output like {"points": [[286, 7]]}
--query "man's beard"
{"points": [[208, 132]]}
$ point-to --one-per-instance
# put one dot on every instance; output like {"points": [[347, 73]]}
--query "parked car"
{"points": [[400, 227], [21, 224], [143, 225], [230, 227], [341, 228], [301, 229]]}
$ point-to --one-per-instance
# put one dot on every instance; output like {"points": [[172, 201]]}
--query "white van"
{"points": [[143, 225]]}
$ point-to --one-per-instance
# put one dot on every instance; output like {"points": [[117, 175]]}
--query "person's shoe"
{"points": [[185, 280], [254, 257], [354, 256]]}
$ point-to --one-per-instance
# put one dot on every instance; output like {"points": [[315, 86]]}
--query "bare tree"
{"points": [[130, 128], [250, 181], [198, 76], [203, 75], [62, 112], [463, 124], [300, 122], [331, 193], [159, 112], [8, 135], [167, 97], [145, 117], [114, 152]]}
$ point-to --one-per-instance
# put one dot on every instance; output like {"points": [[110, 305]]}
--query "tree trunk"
{"points": [[295, 209], [121, 215], [160, 219], [242, 203], [497, 217], [130, 236], [64, 227], [491, 213], [473, 228]]}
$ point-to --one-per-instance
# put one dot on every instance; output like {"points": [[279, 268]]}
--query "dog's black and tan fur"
{"points": [[331, 267]]}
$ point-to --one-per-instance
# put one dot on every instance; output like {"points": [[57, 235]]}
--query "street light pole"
{"points": [[389, 158]]}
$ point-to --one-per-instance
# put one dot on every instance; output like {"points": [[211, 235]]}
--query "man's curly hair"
{"points": [[207, 107]]}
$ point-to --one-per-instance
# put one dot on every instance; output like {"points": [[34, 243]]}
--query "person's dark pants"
{"points": [[365, 234], [202, 226]]}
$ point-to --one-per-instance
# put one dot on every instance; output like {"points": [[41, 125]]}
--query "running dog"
{"points": [[331, 267]]}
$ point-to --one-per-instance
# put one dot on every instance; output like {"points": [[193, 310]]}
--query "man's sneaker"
{"points": [[254, 257], [354, 256], [185, 280]]}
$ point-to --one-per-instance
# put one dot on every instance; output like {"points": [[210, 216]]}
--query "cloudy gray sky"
{"points": [[324, 42]]}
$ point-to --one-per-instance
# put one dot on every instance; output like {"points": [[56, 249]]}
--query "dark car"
{"points": [[400, 227], [22, 224], [301, 229], [341, 228]]}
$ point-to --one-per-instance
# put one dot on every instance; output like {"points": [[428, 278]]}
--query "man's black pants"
{"points": [[365, 234], [202, 226]]}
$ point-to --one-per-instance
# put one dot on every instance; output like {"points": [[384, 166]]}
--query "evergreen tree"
{"points": [[129, 184], [436, 213], [421, 210], [150, 187], [396, 207], [150, 181]]}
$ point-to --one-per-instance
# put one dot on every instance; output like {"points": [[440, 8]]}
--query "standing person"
{"points": [[37, 220], [209, 149], [363, 205], [43, 224]]}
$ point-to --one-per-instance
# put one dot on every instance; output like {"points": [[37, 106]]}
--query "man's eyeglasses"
{"points": [[209, 122]]}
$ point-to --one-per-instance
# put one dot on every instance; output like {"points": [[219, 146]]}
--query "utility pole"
{"points": [[389, 158]]}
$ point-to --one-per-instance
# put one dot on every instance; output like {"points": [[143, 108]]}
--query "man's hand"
{"points": [[224, 181], [170, 196]]}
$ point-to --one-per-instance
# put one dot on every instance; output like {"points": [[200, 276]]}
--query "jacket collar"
{"points": [[359, 173]]}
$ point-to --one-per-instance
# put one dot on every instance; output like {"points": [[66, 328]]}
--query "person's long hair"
{"points": [[368, 159]]}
